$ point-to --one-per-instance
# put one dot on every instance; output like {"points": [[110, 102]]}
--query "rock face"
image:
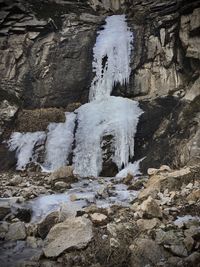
{"points": [[46, 47], [72, 233], [48, 56]]}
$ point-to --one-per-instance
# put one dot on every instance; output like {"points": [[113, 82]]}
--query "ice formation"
{"points": [[111, 57], [59, 142], [24, 144], [131, 168], [104, 115], [114, 116]]}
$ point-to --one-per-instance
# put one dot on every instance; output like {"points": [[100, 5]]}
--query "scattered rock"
{"points": [[72, 233], [16, 180], [64, 174], [98, 218], [179, 250], [45, 226], [16, 231], [4, 209], [145, 252], [114, 243], [60, 185], [194, 196], [150, 208], [148, 224]]}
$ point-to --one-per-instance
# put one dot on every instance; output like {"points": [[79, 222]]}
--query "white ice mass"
{"points": [[104, 115], [112, 53], [24, 144], [114, 116], [59, 142]]}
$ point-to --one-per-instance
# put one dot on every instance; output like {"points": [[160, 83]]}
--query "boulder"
{"points": [[73, 233], [145, 252], [48, 222], [64, 174], [144, 225], [150, 208], [98, 218], [16, 180], [16, 231], [172, 180], [4, 209]]}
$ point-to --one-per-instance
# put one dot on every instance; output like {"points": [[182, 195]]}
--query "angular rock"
{"points": [[4, 209], [72, 233], [16, 180], [150, 208], [147, 224], [145, 252], [179, 250], [98, 218], [16, 231], [64, 174], [49, 221]]}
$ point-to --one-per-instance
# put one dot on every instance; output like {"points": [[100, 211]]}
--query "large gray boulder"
{"points": [[73, 233]]}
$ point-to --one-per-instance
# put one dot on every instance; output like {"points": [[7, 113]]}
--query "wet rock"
{"points": [[60, 186], [23, 213], [72, 233], [45, 226], [98, 218], [137, 185], [4, 209], [150, 208], [127, 180], [31, 241], [145, 252], [16, 231], [3, 229]]}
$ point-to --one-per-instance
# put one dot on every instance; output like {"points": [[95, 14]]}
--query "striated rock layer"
{"points": [[46, 61]]}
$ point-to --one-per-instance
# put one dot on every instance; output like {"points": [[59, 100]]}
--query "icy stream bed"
{"points": [[102, 192]]}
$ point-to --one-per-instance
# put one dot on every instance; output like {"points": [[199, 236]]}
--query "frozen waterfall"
{"points": [[111, 57], [59, 142], [24, 144], [104, 115], [114, 116]]}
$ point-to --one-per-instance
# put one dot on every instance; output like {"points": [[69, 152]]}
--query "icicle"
{"points": [[59, 142], [116, 116], [111, 57], [24, 144]]}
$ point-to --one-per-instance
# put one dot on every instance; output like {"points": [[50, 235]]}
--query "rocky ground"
{"points": [[159, 227]]}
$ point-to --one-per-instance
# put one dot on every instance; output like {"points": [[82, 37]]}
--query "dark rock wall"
{"points": [[46, 61]]}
